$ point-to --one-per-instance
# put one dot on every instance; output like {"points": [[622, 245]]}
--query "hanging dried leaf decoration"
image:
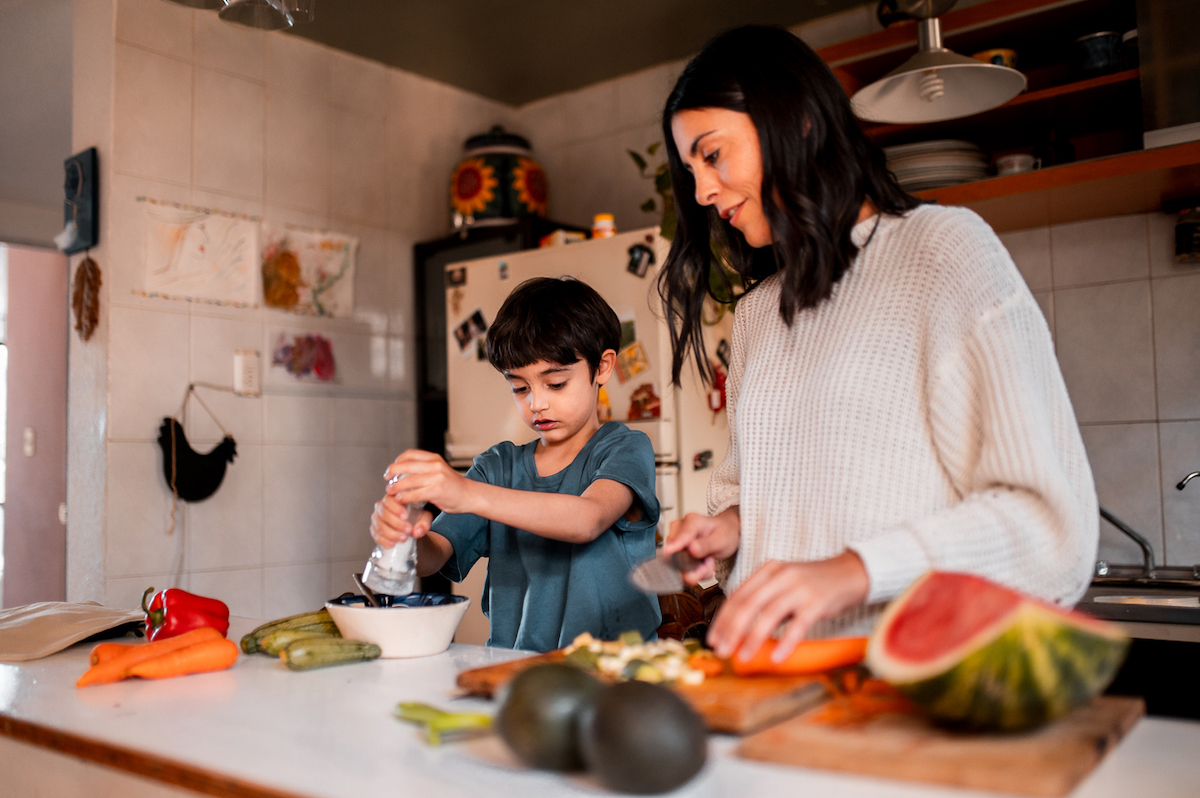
{"points": [[85, 299]]}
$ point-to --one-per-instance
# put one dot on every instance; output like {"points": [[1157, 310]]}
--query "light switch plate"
{"points": [[245, 373]]}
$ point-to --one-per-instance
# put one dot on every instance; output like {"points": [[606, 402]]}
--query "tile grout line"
{"points": [[1154, 384]]}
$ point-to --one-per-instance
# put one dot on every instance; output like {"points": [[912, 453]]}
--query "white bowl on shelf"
{"points": [[417, 625]]}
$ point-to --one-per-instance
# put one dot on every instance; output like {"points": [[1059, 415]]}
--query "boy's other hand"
{"points": [[707, 538], [389, 523], [428, 478]]}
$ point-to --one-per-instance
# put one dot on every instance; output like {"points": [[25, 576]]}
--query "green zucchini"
{"points": [[306, 621], [275, 642], [321, 652]]}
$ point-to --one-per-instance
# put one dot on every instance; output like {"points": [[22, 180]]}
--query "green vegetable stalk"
{"points": [[438, 722]]}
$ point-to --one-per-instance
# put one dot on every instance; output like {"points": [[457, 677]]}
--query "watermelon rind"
{"points": [[1035, 664]]}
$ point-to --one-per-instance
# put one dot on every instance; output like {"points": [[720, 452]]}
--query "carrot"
{"points": [[207, 655], [707, 664], [861, 700], [103, 652], [116, 668], [809, 657]]}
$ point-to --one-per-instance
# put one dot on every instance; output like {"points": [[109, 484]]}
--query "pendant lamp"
{"points": [[936, 83], [207, 5], [264, 14]]}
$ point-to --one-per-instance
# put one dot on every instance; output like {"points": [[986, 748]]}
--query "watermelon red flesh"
{"points": [[979, 655], [943, 614]]}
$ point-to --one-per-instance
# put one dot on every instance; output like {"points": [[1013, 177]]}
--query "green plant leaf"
{"points": [[638, 160], [653, 148], [649, 206], [662, 180]]}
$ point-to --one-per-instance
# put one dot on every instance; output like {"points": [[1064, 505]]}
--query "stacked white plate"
{"points": [[933, 164]]}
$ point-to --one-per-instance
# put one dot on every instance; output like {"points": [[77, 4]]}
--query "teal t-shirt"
{"points": [[541, 593]]}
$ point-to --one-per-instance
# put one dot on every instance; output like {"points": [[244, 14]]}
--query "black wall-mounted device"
{"points": [[81, 202]]}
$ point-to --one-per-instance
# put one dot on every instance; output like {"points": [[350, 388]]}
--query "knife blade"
{"points": [[662, 574]]}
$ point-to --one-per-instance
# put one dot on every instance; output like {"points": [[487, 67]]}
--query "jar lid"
{"points": [[603, 217], [496, 137]]}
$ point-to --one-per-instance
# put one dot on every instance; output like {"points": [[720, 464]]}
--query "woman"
{"points": [[894, 400]]}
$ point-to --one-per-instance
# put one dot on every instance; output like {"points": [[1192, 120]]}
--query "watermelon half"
{"points": [[977, 655]]}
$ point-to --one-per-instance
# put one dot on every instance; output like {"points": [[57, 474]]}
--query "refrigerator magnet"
{"points": [[628, 320], [631, 361], [641, 258]]}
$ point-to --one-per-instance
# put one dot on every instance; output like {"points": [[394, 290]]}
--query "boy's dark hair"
{"points": [[558, 320]]}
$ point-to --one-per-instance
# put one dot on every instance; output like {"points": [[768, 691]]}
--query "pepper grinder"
{"points": [[393, 571]]}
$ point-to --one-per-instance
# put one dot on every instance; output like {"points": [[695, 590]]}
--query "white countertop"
{"points": [[330, 732]]}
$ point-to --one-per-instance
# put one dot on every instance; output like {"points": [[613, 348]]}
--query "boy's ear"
{"points": [[608, 363]]}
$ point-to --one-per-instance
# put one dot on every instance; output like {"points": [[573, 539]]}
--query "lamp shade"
{"points": [[934, 85], [264, 14], [205, 4]]}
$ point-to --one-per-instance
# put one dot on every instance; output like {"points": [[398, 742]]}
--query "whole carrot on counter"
{"points": [[207, 655], [116, 668], [103, 652], [809, 657]]}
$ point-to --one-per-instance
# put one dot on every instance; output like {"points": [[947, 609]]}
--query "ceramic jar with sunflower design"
{"points": [[496, 181]]}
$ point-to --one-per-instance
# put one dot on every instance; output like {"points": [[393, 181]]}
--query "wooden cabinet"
{"points": [[1094, 123]]}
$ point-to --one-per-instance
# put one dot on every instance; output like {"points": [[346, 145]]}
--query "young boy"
{"points": [[561, 519]]}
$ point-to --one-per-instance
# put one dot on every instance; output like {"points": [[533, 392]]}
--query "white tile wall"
{"points": [[1126, 319], [219, 116], [229, 130], [152, 115]]}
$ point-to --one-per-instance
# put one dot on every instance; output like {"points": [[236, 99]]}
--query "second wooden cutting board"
{"points": [[731, 704], [1047, 762]]}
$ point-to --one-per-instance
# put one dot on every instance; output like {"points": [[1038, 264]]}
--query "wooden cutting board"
{"points": [[1046, 762], [728, 703]]}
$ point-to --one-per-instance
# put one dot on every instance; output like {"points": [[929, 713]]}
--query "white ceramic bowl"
{"points": [[417, 625]]}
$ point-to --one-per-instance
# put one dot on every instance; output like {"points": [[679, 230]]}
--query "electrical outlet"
{"points": [[245, 373]]}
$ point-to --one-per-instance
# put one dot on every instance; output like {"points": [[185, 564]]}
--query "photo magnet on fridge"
{"points": [[631, 361], [628, 320]]}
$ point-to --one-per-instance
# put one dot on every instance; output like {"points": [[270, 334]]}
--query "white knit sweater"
{"points": [[917, 417]]}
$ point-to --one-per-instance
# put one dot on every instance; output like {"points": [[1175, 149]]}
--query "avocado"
{"points": [[538, 717], [643, 738]]}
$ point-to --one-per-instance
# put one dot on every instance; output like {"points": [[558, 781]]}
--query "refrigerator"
{"points": [[689, 433]]}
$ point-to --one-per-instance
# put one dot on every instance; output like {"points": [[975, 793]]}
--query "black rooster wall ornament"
{"points": [[192, 476]]}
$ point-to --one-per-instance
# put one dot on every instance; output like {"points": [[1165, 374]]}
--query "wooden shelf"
{"points": [[1100, 117], [1135, 182]]}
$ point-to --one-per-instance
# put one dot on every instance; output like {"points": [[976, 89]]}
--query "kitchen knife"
{"points": [[663, 574]]}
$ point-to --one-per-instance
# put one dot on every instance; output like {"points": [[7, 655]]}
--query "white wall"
{"points": [[1126, 324], [186, 108], [35, 117]]}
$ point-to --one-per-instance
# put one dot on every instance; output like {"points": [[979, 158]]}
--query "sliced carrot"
{"points": [[207, 655], [707, 664], [864, 699], [103, 652], [116, 669], [809, 657]]}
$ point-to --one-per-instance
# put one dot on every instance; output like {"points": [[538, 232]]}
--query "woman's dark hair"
{"points": [[561, 321], [818, 168]]}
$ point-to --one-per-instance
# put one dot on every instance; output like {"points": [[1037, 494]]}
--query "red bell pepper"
{"points": [[173, 611]]}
